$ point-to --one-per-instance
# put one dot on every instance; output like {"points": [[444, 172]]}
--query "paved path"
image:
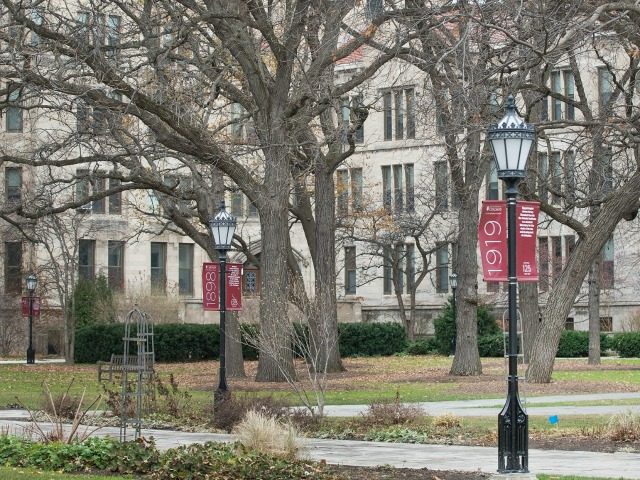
{"points": [[436, 457]]}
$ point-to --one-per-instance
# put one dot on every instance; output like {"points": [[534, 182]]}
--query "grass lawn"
{"points": [[543, 476], [28, 474], [416, 378]]}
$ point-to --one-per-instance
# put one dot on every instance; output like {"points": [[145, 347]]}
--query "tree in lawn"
{"points": [[603, 185], [397, 247], [176, 69]]}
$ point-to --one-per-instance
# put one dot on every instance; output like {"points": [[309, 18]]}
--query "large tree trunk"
{"points": [[233, 347], [530, 314], [276, 357], [324, 322], [467, 360], [566, 288], [594, 312], [69, 333]]}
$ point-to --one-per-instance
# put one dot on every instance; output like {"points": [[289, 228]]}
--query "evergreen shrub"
{"points": [[628, 344], [445, 327], [367, 339]]}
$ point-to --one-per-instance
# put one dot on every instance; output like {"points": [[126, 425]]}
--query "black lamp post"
{"points": [[511, 141], [453, 281], [223, 225], [32, 283]]}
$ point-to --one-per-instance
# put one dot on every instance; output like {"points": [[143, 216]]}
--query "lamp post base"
{"points": [[513, 437], [31, 356]]}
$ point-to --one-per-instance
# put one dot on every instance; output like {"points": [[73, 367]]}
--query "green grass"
{"points": [[623, 376], [7, 473], [543, 476]]}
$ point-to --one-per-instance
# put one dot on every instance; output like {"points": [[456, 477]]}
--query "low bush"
{"points": [[230, 411], [624, 427], [628, 344], [367, 339], [260, 432], [391, 412], [445, 328], [491, 345], [573, 344], [422, 347]]}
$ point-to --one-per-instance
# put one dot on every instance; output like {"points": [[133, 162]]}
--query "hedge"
{"points": [[628, 344], [189, 342]]}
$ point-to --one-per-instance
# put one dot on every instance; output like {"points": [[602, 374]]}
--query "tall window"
{"points": [[87, 259], [493, 186], [236, 207], [400, 267], [605, 87], [98, 205], [563, 84], [13, 184], [410, 265], [556, 256], [251, 279], [543, 268], [112, 31], [607, 171], [399, 114], [116, 265], [14, 110], [607, 266], [543, 173], [350, 270], [442, 268], [115, 200], [556, 178], [356, 189], [185, 268], [374, 8], [387, 273], [442, 186], [570, 176], [13, 267], [348, 105], [342, 185], [158, 267], [398, 188], [36, 17]]}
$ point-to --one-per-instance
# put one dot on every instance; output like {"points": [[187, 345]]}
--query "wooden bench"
{"points": [[116, 365]]}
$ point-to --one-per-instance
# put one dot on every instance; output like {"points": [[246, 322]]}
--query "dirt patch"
{"points": [[389, 473]]}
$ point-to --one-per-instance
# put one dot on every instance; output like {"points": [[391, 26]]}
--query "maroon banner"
{"points": [[211, 286], [25, 306], [234, 287], [526, 240], [492, 237]]}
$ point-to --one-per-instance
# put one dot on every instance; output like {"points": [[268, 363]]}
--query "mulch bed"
{"points": [[389, 473]]}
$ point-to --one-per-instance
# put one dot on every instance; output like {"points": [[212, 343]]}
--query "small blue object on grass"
{"points": [[553, 419]]}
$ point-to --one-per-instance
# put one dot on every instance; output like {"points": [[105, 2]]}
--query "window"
{"points": [[82, 188], [563, 84], [185, 268], [116, 265], [158, 267], [237, 200], [569, 245], [347, 106], [605, 88], [556, 178], [251, 279], [37, 18], [13, 267], [543, 173], [14, 110], [83, 117], [606, 324], [607, 266], [387, 274], [410, 266], [442, 268], [556, 256], [87, 259], [13, 184], [350, 270], [442, 186], [115, 200], [570, 176], [399, 178], [253, 210], [493, 287], [493, 186], [98, 206], [543, 267], [342, 186], [374, 8], [569, 324], [400, 270], [356, 189], [399, 114], [112, 37]]}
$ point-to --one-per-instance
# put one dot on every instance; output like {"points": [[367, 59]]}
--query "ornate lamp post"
{"points": [[223, 226], [453, 281], [511, 140], [32, 283]]}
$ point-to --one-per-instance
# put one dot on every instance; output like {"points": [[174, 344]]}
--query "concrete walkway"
{"points": [[436, 457]]}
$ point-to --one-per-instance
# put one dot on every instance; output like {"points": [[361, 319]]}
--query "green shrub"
{"points": [[92, 302], [366, 339], [573, 344], [422, 347], [491, 345], [628, 344], [446, 329]]}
